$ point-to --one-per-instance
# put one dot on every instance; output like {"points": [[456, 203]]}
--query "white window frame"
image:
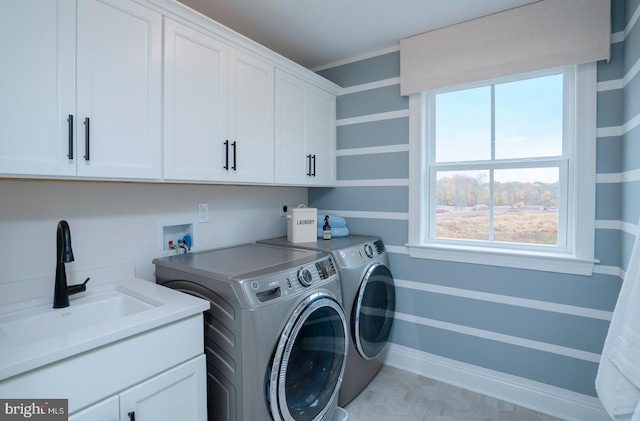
{"points": [[576, 256]]}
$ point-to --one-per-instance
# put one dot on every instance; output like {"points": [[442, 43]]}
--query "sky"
{"points": [[528, 123]]}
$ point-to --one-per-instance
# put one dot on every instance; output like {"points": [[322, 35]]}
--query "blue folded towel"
{"points": [[336, 232], [334, 220]]}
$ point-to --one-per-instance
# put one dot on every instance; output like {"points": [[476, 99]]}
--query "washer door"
{"points": [[309, 361], [373, 311]]}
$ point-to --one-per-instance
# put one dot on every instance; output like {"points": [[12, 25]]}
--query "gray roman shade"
{"points": [[541, 35]]}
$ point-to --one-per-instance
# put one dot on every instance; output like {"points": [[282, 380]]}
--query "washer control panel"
{"points": [[325, 268], [291, 281], [305, 277]]}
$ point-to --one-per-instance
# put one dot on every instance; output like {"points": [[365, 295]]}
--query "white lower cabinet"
{"points": [[177, 394], [107, 410], [156, 375]]}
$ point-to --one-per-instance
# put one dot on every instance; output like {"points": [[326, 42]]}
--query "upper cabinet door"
{"points": [[218, 110], [37, 87], [119, 90], [251, 91], [196, 142], [292, 165], [322, 137], [305, 133]]}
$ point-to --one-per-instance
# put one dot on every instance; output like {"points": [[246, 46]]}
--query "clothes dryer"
{"points": [[368, 297], [276, 333]]}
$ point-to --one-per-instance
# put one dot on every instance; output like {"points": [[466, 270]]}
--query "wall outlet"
{"points": [[283, 209], [203, 212]]}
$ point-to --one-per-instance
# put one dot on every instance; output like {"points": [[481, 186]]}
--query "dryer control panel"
{"points": [[292, 281], [358, 255]]}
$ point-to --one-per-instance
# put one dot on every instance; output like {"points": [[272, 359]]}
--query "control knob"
{"points": [[305, 277], [368, 250]]}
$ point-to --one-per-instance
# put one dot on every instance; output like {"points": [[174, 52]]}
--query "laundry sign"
{"points": [[34, 409], [301, 224]]}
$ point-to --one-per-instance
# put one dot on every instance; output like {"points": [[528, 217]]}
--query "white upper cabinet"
{"points": [[305, 132], [218, 110], [293, 166], [251, 92], [322, 137], [195, 104], [37, 87], [117, 71], [149, 90], [119, 90]]}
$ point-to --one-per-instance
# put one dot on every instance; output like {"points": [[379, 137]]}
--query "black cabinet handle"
{"points": [[70, 121], [309, 165], [87, 131], [226, 153], [132, 415], [235, 152], [314, 165]]}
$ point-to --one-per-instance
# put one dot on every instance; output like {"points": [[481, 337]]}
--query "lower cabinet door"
{"points": [[107, 410], [176, 394]]}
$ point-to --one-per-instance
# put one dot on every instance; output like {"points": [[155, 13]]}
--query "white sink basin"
{"points": [[33, 334], [36, 324]]}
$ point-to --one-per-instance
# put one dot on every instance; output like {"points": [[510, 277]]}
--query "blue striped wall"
{"points": [[630, 130], [544, 328]]}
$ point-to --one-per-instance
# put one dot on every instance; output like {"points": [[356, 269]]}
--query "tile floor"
{"points": [[396, 395]]}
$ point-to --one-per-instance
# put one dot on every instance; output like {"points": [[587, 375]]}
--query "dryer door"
{"points": [[373, 311], [309, 361]]}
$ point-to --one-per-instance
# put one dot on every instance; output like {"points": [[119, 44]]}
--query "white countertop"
{"points": [[168, 306]]}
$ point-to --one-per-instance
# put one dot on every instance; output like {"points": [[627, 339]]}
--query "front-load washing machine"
{"points": [[275, 334], [368, 297]]}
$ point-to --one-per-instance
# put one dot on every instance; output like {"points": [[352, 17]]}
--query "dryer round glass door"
{"points": [[309, 360], [373, 311]]}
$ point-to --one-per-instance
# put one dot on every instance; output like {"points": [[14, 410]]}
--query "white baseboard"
{"points": [[540, 397]]}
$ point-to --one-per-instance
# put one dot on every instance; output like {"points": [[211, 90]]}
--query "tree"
{"points": [[462, 191]]}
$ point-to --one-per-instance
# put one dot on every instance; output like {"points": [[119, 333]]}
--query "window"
{"points": [[503, 172]]}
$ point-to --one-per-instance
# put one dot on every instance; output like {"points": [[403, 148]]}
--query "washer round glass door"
{"points": [[373, 311], [309, 360]]}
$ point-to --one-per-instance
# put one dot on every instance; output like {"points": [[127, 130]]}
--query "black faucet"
{"points": [[64, 255]]}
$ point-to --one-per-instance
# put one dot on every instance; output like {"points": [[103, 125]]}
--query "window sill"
{"points": [[548, 262]]}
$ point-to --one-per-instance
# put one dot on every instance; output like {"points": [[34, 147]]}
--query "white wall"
{"points": [[113, 223]]}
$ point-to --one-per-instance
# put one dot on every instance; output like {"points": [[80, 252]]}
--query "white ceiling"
{"points": [[322, 32]]}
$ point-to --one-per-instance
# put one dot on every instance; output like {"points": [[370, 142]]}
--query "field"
{"points": [[532, 226]]}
